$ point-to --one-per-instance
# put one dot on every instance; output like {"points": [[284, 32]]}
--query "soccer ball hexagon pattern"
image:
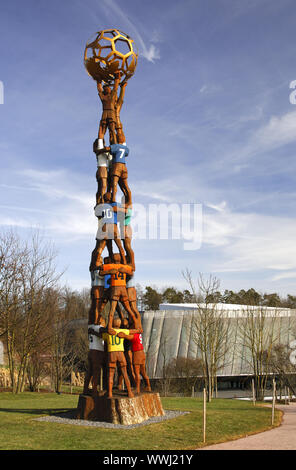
{"points": [[108, 52]]}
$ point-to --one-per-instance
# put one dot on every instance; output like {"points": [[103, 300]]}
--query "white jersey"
{"points": [[130, 282], [103, 159], [96, 279], [93, 341]]}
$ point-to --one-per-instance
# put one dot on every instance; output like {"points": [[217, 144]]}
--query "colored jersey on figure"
{"points": [[106, 213], [114, 343], [119, 153], [130, 282], [103, 159], [94, 342], [128, 216], [137, 342], [107, 282], [117, 279], [96, 279]]}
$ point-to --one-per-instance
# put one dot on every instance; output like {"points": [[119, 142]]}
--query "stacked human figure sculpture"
{"points": [[114, 342]]}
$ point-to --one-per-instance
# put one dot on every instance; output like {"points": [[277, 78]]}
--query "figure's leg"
{"points": [[88, 376], [120, 249], [96, 297], [111, 313], [129, 251], [102, 129], [145, 377], [126, 190], [138, 377], [119, 311], [130, 367], [95, 378], [110, 250], [102, 184], [131, 315], [110, 381], [114, 182], [127, 382], [112, 133], [117, 240], [120, 380], [100, 308], [99, 248], [133, 306], [119, 130]]}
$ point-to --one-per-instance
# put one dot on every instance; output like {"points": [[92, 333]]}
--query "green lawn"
{"points": [[227, 419]]}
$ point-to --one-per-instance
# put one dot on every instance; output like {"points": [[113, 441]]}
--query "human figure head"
{"points": [[116, 322], [117, 258], [106, 89], [95, 145], [125, 323]]}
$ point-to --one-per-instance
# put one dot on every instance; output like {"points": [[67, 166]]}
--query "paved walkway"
{"points": [[281, 438]]}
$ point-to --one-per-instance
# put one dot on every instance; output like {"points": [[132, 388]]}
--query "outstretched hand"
{"points": [[111, 331]]}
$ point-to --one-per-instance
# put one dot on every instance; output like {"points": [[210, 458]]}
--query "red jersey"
{"points": [[137, 342]]}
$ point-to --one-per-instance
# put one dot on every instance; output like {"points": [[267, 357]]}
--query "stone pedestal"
{"points": [[120, 409]]}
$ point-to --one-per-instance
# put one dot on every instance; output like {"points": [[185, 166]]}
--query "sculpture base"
{"points": [[119, 409]]}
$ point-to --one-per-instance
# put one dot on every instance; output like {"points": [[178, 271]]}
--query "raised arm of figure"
{"points": [[100, 89]]}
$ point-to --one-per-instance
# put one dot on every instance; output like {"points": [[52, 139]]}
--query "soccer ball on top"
{"points": [[110, 51]]}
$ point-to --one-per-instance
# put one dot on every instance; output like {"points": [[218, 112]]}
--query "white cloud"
{"points": [[151, 52], [217, 207], [285, 275], [279, 131], [250, 242], [70, 212], [208, 89]]}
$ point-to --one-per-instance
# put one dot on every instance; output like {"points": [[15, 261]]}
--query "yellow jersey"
{"points": [[114, 343]]}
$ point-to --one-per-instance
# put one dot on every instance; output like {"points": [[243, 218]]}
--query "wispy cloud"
{"points": [[69, 212], [280, 130], [148, 51], [250, 242], [285, 275]]}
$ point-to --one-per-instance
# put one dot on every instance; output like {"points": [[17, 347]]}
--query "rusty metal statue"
{"points": [[110, 59]]}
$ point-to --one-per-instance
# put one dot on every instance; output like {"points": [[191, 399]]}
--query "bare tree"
{"points": [[27, 272], [209, 330], [258, 333], [12, 257], [283, 367], [186, 371], [68, 343]]}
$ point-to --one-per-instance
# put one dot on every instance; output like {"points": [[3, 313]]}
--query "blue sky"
{"points": [[207, 117]]}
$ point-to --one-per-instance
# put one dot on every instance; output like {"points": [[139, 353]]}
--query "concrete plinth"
{"points": [[120, 409]]}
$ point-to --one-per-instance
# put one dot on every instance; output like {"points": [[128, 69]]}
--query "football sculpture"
{"points": [[110, 51]]}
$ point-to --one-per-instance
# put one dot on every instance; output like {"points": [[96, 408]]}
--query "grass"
{"points": [[226, 420]]}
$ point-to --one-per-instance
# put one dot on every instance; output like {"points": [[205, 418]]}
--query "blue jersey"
{"points": [[119, 153], [107, 281], [106, 213]]}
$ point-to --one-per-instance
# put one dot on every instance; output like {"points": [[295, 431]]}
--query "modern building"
{"points": [[170, 333]]}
